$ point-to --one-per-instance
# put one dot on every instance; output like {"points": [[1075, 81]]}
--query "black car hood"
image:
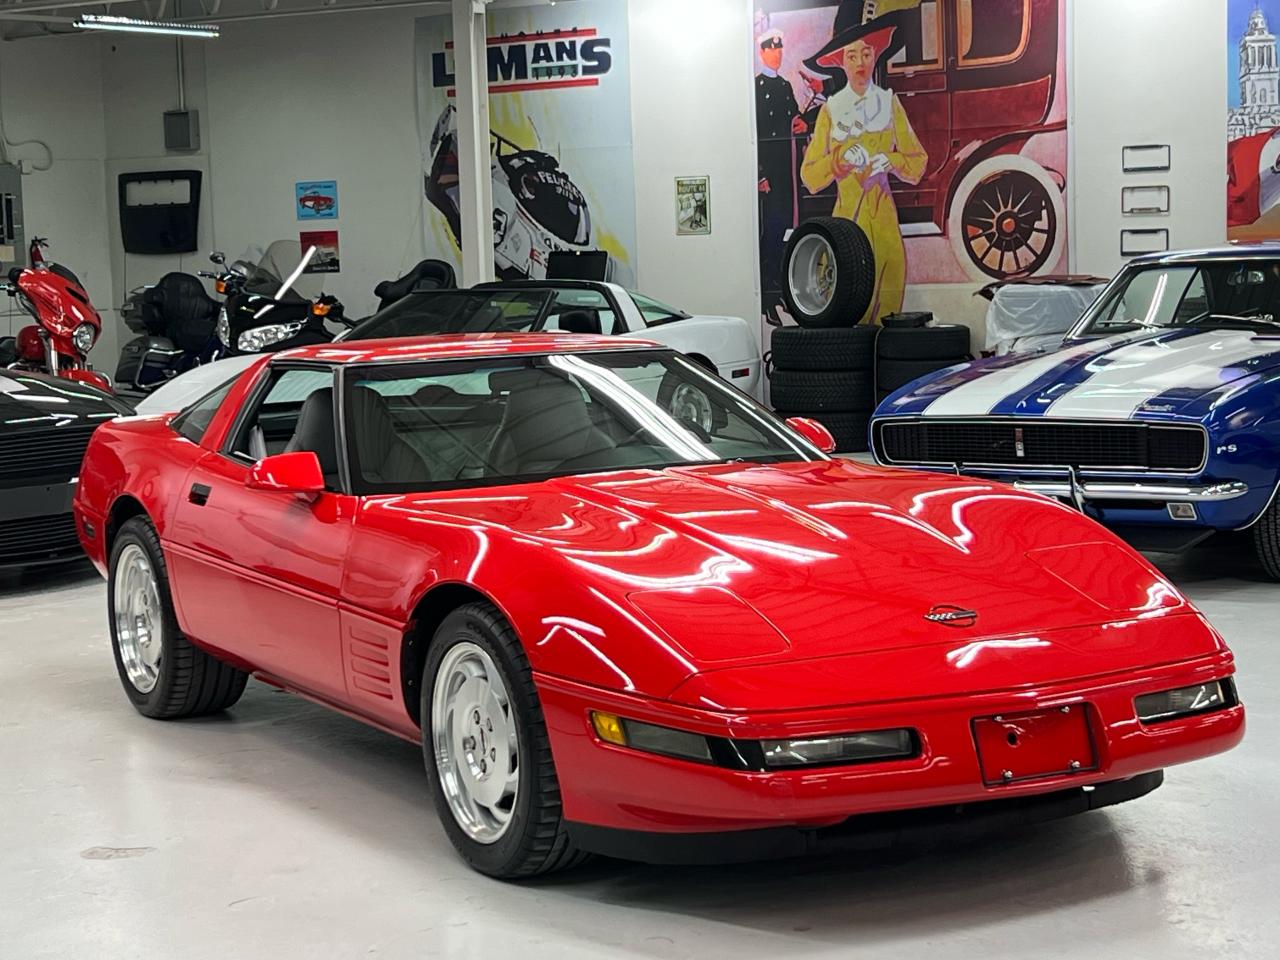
{"points": [[38, 401]]}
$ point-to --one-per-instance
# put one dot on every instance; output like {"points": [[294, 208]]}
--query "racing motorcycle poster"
{"points": [[560, 136], [938, 126]]}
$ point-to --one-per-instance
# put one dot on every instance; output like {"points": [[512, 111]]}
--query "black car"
{"points": [[45, 424]]}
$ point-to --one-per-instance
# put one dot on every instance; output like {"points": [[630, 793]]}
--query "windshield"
{"points": [[466, 423], [1228, 293], [454, 311], [655, 312], [277, 262]]}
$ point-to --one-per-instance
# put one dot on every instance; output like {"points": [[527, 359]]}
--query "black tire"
{"points": [[535, 842], [848, 429], [855, 273], [1266, 541], [821, 392], [944, 342], [189, 682], [892, 374], [835, 348]]}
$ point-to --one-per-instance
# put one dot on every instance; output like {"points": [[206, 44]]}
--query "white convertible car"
{"points": [[725, 345]]}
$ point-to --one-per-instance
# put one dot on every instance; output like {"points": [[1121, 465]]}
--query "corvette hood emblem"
{"points": [[952, 616]]}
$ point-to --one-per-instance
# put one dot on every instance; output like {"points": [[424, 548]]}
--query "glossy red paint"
{"points": [[297, 473], [738, 600]]}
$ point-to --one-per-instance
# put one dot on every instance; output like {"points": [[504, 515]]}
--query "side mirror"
{"points": [[218, 257], [814, 432], [298, 473]]}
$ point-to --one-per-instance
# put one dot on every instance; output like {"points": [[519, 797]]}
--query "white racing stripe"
{"points": [[978, 396], [1139, 372]]}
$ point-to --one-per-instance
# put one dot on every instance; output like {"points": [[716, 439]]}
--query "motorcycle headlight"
{"points": [[84, 337], [224, 327], [252, 341]]}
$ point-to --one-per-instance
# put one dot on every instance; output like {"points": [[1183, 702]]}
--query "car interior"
{"points": [[455, 422]]}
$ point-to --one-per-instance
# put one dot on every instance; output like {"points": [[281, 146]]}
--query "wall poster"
{"points": [[693, 206], [316, 199], [939, 126], [1253, 121], [560, 140], [326, 259]]}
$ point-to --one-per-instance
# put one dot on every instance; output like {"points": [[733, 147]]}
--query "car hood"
{"points": [[737, 563], [36, 401], [1115, 378]]}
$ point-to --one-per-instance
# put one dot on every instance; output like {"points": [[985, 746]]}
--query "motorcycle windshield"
{"points": [[277, 263]]}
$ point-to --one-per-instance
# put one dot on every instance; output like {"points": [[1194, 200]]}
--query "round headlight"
{"points": [[84, 337], [224, 327]]}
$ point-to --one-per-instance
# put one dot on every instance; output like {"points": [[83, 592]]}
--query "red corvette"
{"points": [[625, 610]]}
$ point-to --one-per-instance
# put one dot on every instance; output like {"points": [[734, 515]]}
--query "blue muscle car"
{"points": [[1159, 415]]}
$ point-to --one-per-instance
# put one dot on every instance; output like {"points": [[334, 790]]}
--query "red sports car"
{"points": [[317, 201], [626, 610]]}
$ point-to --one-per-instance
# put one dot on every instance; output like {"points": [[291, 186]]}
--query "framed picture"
{"points": [[316, 199], [693, 206]]}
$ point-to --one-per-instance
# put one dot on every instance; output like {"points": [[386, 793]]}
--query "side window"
{"points": [[567, 300], [295, 413], [654, 311], [992, 31], [922, 36], [195, 420]]}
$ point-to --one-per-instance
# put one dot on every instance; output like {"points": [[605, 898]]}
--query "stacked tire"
{"points": [[827, 375], [824, 367], [906, 353]]}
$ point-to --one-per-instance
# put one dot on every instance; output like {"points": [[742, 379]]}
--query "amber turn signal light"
{"points": [[609, 728]]}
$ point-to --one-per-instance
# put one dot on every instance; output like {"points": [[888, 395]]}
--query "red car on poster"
{"points": [[317, 201], [626, 610]]}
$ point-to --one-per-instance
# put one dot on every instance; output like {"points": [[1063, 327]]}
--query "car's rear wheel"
{"points": [[485, 745], [1266, 541], [163, 674]]}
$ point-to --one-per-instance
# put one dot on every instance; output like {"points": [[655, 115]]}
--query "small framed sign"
{"points": [[326, 259], [317, 199], [693, 206]]}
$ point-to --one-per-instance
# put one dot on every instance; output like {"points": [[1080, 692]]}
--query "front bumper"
{"points": [[620, 789], [36, 525]]}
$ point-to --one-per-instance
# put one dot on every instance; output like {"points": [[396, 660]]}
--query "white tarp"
{"points": [[1026, 316]]}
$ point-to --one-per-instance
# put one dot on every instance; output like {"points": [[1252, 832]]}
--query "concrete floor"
{"points": [[281, 830]]}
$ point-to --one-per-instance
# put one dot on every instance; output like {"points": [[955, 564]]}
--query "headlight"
{"points": [[251, 341], [84, 337], [224, 327], [1186, 701], [836, 750]]}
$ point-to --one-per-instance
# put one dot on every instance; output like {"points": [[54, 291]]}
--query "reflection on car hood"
{"points": [[1115, 378], [833, 558], [37, 401]]}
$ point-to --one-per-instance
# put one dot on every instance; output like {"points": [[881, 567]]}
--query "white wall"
{"points": [[51, 89], [1147, 71], [332, 97]]}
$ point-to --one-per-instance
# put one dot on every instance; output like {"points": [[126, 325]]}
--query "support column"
{"points": [[475, 186]]}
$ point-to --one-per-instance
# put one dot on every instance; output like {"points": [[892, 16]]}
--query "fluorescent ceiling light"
{"points": [[93, 21]]}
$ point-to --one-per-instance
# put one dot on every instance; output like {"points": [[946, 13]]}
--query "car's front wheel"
{"points": [[485, 745], [163, 674], [1266, 541]]}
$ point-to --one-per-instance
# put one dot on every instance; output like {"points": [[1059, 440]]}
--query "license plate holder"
{"points": [[1030, 746]]}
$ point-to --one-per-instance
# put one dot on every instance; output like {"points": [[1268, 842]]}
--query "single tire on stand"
{"points": [[828, 273]]}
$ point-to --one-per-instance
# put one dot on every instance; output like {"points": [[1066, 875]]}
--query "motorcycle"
{"points": [[175, 319], [278, 305], [67, 326]]}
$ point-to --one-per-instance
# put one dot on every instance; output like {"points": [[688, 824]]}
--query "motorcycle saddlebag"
{"points": [[146, 361]]}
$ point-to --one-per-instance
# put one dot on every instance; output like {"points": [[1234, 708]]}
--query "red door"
{"points": [[257, 573]]}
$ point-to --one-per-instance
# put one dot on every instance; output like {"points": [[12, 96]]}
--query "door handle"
{"points": [[199, 494]]}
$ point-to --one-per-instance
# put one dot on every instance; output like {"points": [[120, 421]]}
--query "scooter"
{"points": [[66, 326]]}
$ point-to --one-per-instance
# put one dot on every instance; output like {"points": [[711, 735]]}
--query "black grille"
{"points": [[50, 456], [1037, 443], [33, 539]]}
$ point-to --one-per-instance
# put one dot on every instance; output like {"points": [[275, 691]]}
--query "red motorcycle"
{"points": [[66, 326]]}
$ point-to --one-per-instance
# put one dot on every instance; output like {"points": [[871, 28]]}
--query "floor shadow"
{"points": [[33, 581]]}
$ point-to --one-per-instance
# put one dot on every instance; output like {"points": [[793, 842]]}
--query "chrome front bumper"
{"points": [[1078, 490]]}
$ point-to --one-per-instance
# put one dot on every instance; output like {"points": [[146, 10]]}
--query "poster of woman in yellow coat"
{"points": [[861, 136]]}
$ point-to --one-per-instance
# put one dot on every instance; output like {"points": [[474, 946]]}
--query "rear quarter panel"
{"points": [[728, 342]]}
